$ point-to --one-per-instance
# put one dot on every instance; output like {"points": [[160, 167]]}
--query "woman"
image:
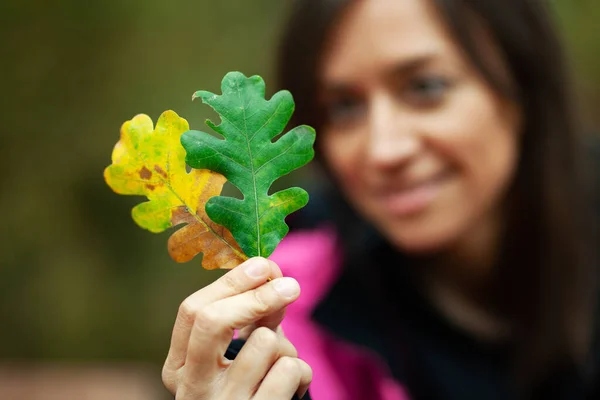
{"points": [[455, 265]]}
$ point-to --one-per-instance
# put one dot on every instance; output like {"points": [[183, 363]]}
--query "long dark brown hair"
{"points": [[545, 270]]}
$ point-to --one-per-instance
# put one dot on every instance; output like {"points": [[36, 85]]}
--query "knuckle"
{"points": [[168, 379], [231, 283], [264, 338], [288, 366], [261, 307], [189, 389], [290, 348], [187, 311], [208, 319], [306, 370]]}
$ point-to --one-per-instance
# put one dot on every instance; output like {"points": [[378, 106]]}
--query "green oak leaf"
{"points": [[247, 156]]}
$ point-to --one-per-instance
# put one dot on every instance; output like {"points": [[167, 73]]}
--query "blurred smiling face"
{"points": [[421, 145]]}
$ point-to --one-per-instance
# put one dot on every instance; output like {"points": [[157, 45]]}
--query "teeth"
{"points": [[392, 190], [415, 185]]}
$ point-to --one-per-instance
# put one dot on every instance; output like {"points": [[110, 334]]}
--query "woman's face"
{"points": [[420, 144]]}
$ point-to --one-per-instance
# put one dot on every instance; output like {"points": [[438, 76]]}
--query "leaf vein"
{"points": [[258, 245], [275, 206], [245, 216], [221, 153], [275, 113], [277, 156]]}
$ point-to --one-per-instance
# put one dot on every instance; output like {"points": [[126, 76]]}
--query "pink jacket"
{"points": [[342, 371]]}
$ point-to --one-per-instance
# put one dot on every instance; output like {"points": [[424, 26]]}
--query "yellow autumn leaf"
{"points": [[150, 161]]}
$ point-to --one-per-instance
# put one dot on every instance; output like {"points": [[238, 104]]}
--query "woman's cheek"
{"points": [[342, 154]]}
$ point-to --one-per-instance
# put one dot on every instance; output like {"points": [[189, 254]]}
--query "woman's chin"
{"points": [[418, 247], [421, 240]]}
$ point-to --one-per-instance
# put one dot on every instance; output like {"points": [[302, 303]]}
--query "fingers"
{"points": [[272, 321], [248, 275], [287, 377], [256, 304], [263, 348], [214, 324]]}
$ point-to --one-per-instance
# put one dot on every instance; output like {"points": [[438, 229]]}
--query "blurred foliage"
{"points": [[579, 21], [78, 279]]}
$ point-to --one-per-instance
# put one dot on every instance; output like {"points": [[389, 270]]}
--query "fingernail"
{"points": [[287, 287], [257, 268]]}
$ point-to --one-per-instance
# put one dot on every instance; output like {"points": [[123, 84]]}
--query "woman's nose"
{"points": [[392, 140]]}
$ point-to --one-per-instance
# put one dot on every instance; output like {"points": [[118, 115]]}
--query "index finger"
{"points": [[249, 275]]}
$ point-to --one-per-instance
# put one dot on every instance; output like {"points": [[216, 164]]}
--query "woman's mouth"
{"points": [[413, 198]]}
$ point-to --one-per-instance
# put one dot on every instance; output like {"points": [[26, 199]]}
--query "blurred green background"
{"points": [[78, 279]]}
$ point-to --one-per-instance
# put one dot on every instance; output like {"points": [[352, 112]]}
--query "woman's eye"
{"points": [[426, 91], [344, 110]]}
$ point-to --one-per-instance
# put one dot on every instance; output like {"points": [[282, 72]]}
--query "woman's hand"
{"points": [[267, 367]]}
